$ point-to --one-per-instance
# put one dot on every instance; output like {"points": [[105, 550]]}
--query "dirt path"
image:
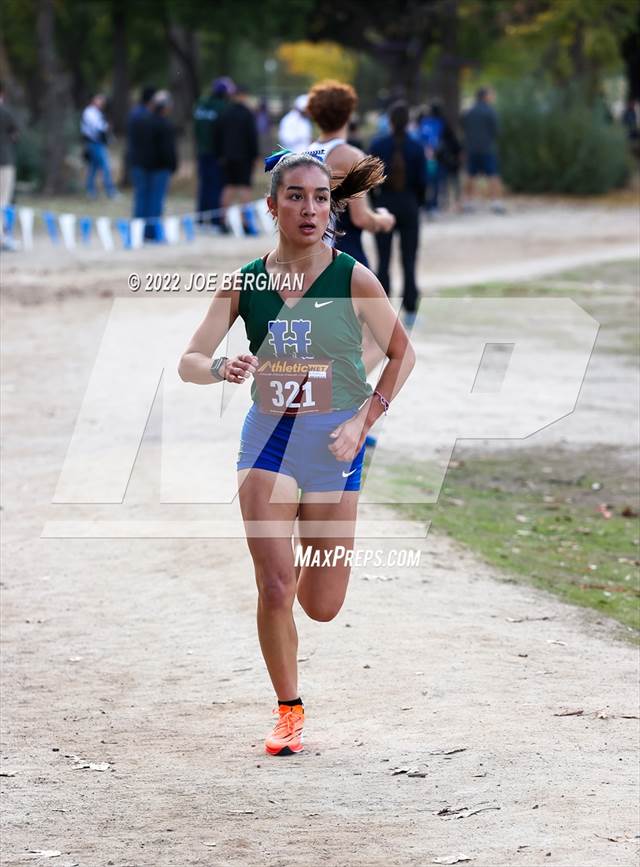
{"points": [[143, 654]]}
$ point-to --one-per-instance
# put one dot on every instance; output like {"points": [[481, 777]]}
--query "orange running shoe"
{"points": [[286, 737]]}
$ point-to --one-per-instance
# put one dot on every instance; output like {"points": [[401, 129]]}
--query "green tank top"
{"points": [[321, 324]]}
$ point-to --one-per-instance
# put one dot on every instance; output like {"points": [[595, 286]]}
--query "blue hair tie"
{"points": [[272, 161]]}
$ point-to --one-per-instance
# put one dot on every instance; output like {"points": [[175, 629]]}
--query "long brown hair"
{"points": [[399, 119], [359, 179]]}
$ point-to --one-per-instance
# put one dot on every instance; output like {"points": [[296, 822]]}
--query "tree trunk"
{"points": [[120, 104], [447, 78], [631, 55], [54, 103], [402, 60], [183, 73]]}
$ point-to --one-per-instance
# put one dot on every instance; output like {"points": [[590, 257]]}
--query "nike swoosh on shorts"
{"points": [[344, 475]]}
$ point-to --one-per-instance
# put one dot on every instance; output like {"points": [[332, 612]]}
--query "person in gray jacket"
{"points": [[480, 128]]}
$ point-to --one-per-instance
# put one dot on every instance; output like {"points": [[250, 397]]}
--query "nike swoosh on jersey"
{"points": [[344, 475], [322, 303]]}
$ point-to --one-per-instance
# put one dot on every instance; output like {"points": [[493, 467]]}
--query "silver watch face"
{"points": [[215, 367]]}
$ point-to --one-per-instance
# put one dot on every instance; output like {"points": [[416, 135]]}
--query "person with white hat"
{"points": [[295, 131]]}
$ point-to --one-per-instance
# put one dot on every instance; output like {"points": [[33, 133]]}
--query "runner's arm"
{"points": [[374, 309], [195, 363]]}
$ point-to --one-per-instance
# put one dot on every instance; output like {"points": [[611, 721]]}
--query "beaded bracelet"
{"points": [[383, 400]]}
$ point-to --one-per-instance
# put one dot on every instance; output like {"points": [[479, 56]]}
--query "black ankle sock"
{"points": [[292, 702]]}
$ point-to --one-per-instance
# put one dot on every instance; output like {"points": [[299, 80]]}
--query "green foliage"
{"points": [[553, 140], [29, 156]]}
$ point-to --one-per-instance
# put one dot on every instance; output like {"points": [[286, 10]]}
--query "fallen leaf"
{"points": [[446, 752], [464, 812], [628, 512], [615, 839], [567, 712]]}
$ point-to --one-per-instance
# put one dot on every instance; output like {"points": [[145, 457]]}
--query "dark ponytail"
{"points": [[361, 177]]}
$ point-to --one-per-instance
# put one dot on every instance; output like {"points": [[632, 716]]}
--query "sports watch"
{"points": [[216, 366]]}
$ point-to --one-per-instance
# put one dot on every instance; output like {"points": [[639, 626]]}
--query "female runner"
{"points": [[305, 430]]}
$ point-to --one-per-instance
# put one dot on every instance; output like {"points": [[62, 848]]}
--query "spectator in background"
{"points": [[95, 130], [353, 133], [443, 153], [480, 127], [139, 110], [8, 138], [210, 178], [161, 160], [402, 194], [140, 177], [237, 149], [295, 131], [263, 123]]}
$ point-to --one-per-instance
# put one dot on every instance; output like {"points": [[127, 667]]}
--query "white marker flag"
{"points": [[103, 228], [25, 215], [172, 229], [67, 223], [137, 233], [234, 221]]}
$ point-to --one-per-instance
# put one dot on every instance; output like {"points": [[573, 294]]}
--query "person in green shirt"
{"points": [[210, 180], [302, 442]]}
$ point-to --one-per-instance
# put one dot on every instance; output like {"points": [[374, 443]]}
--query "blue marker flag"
{"points": [[249, 220], [9, 213], [189, 228], [51, 225], [85, 224], [124, 229]]}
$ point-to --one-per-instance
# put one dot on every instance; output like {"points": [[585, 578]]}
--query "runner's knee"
{"points": [[277, 588], [322, 611]]}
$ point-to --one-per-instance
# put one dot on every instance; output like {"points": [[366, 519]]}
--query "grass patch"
{"points": [[542, 518], [608, 292]]}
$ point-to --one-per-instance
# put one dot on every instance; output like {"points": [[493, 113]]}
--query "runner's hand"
{"points": [[387, 222], [240, 367], [347, 439]]}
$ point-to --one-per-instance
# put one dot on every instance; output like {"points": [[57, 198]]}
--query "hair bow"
{"points": [[272, 161]]}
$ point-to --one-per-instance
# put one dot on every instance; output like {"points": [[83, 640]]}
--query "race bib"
{"points": [[288, 386]]}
